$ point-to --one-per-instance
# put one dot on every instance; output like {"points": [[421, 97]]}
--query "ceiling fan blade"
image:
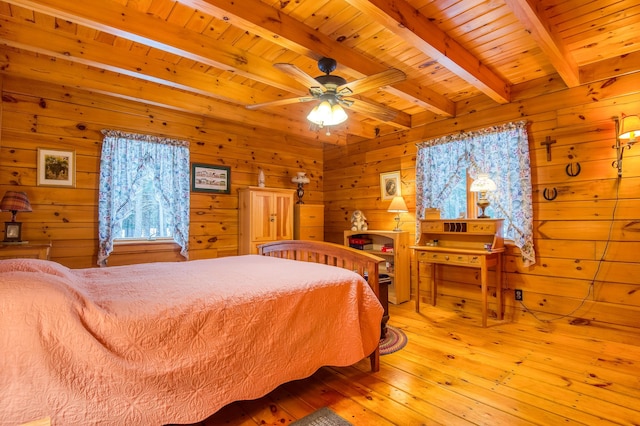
{"points": [[281, 102], [374, 110], [384, 78], [299, 75]]}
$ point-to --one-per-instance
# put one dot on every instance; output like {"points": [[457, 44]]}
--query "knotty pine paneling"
{"points": [[37, 114], [586, 240]]}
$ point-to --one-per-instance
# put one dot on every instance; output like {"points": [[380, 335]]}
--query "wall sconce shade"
{"points": [[326, 114], [397, 206], [301, 179], [627, 127], [483, 184], [14, 202]]}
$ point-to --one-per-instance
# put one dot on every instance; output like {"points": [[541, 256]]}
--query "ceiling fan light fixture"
{"points": [[325, 114]]}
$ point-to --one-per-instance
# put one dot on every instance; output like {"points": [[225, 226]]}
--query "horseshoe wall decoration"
{"points": [[550, 195], [571, 172]]}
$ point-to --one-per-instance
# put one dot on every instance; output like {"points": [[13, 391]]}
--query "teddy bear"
{"points": [[358, 221]]}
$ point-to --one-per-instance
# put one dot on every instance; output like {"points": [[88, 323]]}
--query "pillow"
{"points": [[35, 265]]}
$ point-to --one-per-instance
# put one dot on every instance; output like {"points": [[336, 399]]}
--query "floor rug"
{"points": [[322, 417], [393, 341]]}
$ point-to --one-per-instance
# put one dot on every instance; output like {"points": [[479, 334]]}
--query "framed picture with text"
{"points": [[210, 178], [389, 185]]}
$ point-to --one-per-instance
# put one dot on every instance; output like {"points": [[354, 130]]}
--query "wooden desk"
{"points": [[470, 243], [31, 250], [482, 260]]}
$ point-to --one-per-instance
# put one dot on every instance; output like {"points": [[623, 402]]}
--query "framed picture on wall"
{"points": [[209, 178], [390, 185], [56, 167]]}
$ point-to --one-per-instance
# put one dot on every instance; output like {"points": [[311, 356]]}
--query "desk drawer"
{"points": [[482, 228], [451, 258]]}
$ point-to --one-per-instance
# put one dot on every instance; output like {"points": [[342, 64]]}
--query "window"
{"points": [[443, 164], [147, 219], [144, 190]]}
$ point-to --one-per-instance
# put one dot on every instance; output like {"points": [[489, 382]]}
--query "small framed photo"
{"points": [[208, 178], [390, 185], [56, 168]]}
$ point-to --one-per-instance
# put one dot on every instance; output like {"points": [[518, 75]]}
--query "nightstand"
{"points": [[31, 250]]}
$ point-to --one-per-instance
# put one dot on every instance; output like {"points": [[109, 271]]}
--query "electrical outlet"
{"points": [[518, 294]]}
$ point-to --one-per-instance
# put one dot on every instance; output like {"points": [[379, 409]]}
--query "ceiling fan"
{"points": [[333, 92]]}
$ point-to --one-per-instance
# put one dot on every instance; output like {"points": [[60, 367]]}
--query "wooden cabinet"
{"points": [[265, 214], [308, 222], [472, 243], [31, 250], [397, 260]]}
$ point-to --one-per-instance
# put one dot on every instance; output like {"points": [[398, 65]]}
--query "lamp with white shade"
{"points": [[14, 202], [397, 206], [301, 179], [483, 184], [627, 130]]}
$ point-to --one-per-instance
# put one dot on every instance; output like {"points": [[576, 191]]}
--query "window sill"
{"points": [[143, 251], [129, 241], [144, 245]]}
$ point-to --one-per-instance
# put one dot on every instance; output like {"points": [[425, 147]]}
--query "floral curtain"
{"points": [[503, 153], [126, 158]]}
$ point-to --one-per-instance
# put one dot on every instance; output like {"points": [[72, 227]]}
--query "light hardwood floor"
{"points": [[453, 372]]}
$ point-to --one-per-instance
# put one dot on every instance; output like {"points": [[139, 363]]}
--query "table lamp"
{"points": [[397, 206], [482, 185], [14, 202], [300, 178]]}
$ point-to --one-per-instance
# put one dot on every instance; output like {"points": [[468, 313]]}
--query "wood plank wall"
{"points": [[38, 115], [587, 239]]}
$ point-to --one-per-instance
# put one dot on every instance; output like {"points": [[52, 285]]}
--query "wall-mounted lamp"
{"points": [[482, 185], [397, 206], [14, 202], [300, 178], [627, 127]]}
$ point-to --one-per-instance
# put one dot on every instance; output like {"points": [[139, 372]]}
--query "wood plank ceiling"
{"points": [[215, 57]]}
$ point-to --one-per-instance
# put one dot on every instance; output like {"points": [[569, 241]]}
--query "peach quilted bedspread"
{"points": [[166, 343]]}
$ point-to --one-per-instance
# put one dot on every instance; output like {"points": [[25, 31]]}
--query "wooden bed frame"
{"points": [[363, 263]]}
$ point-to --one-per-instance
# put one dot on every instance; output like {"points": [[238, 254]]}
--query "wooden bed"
{"points": [[162, 343]]}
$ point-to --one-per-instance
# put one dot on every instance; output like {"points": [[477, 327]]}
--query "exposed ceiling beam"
{"points": [[546, 37], [406, 21], [63, 72], [114, 18], [26, 35], [279, 28]]}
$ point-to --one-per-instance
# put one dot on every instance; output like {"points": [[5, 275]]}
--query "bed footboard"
{"points": [[333, 254]]}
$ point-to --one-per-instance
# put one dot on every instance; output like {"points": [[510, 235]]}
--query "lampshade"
{"points": [[397, 206], [15, 201], [325, 114], [629, 126], [483, 184], [300, 178]]}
